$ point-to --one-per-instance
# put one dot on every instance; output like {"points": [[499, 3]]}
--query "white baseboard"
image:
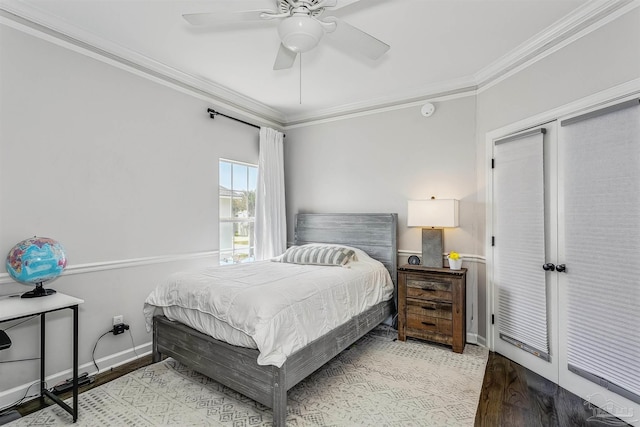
{"points": [[112, 361], [472, 338], [482, 341], [9, 397]]}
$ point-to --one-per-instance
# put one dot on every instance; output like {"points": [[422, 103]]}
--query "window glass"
{"points": [[237, 194]]}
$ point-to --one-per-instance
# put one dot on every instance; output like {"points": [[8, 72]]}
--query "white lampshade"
{"points": [[300, 33], [432, 213]]}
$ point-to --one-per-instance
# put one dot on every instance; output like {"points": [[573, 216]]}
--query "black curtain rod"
{"points": [[213, 113]]}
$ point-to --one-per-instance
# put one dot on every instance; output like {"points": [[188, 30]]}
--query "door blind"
{"points": [[519, 253], [602, 244]]}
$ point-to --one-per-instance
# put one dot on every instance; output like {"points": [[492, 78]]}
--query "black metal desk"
{"points": [[13, 308]]}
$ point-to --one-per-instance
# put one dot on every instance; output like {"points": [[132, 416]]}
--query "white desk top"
{"points": [[14, 306]]}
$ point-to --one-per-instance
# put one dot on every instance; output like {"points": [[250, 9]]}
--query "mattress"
{"points": [[275, 307]]}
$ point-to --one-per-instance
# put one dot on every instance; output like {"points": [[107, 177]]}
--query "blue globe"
{"points": [[36, 260]]}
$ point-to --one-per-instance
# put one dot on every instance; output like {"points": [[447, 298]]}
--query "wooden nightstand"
{"points": [[432, 305]]}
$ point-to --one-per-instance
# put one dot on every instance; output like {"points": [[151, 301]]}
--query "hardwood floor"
{"points": [[101, 378], [511, 396], [515, 396]]}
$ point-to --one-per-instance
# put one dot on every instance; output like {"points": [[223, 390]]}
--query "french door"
{"points": [[599, 208], [524, 226], [565, 212]]}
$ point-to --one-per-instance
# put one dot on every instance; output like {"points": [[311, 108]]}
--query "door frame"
{"points": [[596, 101]]}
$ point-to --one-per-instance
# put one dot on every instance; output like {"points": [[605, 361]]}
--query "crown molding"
{"points": [[37, 23], [585, 19], [439, 97], [582, 21], [457, 88]]}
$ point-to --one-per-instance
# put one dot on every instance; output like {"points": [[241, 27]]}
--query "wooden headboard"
{"points": [[373, 233]]}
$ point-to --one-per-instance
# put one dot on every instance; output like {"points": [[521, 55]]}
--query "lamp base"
{"points": [[432, 247]]}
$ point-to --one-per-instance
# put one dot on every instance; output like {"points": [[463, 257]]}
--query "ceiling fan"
{"points": [[301, 28]]}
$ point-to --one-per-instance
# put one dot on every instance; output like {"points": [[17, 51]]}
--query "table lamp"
{"points": [[432, 215]]}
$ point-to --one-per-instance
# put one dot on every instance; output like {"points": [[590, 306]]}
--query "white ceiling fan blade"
{"points": [[285, 58], [225, 17], [354, 39]]}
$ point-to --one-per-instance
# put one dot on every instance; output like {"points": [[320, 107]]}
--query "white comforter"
{"points": [[282, 307]]}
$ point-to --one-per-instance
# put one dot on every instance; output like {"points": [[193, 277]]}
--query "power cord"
{"points": [[20, 360], [22, 399], [133, 345], [5, 340], [20, 323], [393, 327], [26, 393], [116, 330], [93, 353]]}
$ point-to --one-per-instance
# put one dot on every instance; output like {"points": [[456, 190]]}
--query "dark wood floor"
{"points": [[515, 396], [512, 396], [101, 378]]}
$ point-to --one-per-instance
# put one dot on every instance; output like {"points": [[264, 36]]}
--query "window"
{"points": [[237, 200]]}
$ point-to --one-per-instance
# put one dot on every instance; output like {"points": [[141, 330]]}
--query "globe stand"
{"points": [[39, 291]]}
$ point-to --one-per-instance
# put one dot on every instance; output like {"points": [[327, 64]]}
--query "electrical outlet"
{"points": [[118, 319]]}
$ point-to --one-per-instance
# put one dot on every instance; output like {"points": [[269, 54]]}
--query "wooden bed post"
{"points": [[279, 406]]}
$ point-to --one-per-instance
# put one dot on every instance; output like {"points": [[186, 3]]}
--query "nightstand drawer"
{"points": [[435, 283], [430, 324], [437, 309], [435, 288]]}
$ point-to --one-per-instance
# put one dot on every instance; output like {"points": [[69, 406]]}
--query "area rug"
{"points": [[378, 381]]}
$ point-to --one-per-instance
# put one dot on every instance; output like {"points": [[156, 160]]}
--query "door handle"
{"points": [[561, 268], [549, 267]]}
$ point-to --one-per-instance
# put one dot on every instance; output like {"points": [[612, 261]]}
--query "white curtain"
{"points": [[270, 226]]}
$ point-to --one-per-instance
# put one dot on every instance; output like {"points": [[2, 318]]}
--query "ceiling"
{"points": [[438, 47]]}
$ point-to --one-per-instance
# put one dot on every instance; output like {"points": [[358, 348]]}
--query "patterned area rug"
{"points": [[375, 382]]}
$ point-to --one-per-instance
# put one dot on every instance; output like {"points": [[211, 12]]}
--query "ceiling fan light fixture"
{"points": [[300, 33]]}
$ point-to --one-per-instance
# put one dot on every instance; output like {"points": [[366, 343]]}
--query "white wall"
{"points": [[114, 166], [377, 162]]}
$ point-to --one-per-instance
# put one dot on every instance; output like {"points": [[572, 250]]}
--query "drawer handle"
{"points": [[428, 324], [428, 308], [428, 289]]}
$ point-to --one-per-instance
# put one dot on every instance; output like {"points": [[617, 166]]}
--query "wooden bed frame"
{"points": [[237, 367]]}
